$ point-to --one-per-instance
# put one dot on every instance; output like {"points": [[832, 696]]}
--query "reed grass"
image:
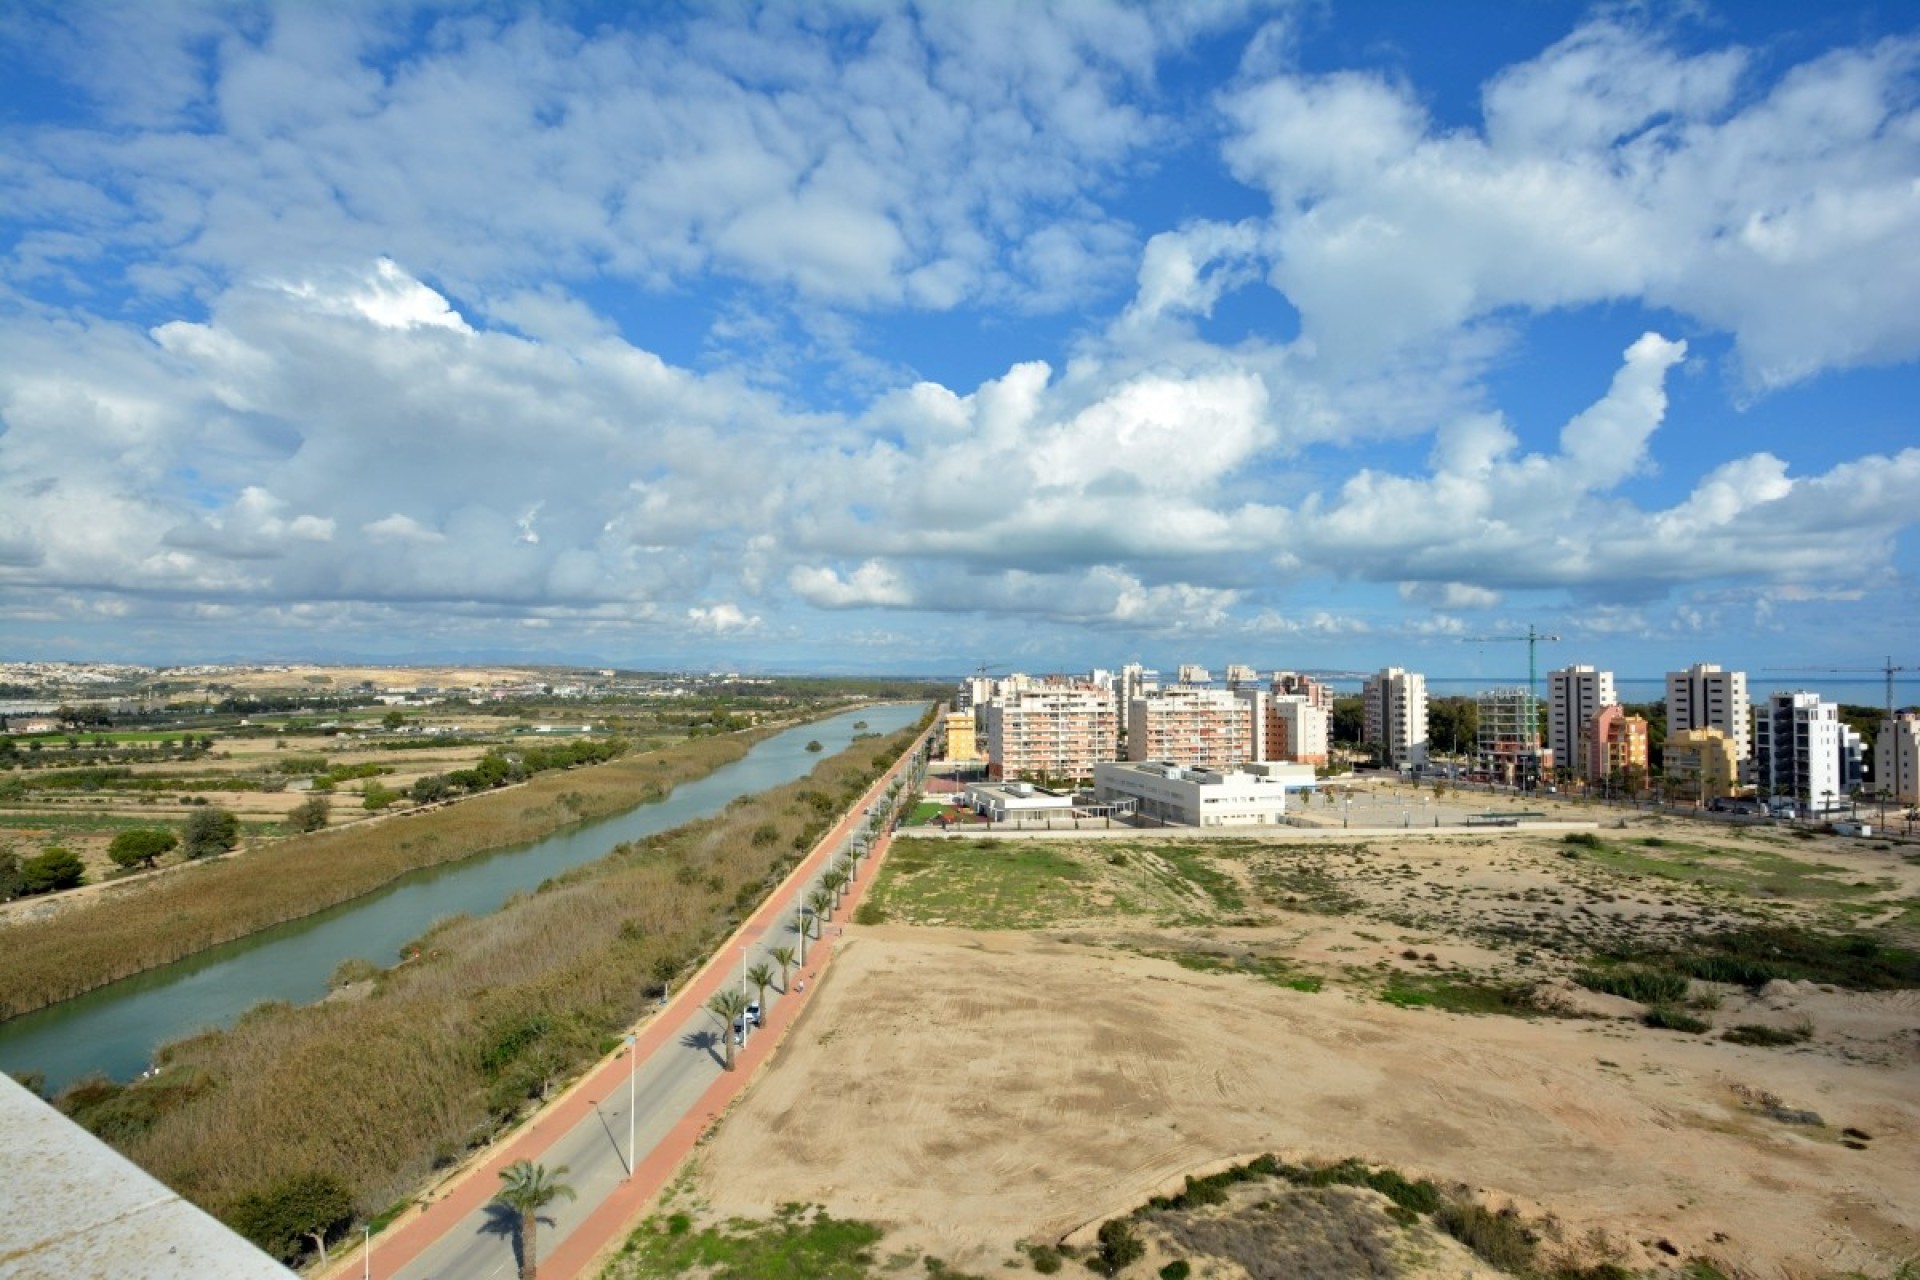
{"points": [[495, 1013], [166, 918]]}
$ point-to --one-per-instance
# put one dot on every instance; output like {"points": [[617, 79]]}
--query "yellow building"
{"points": [[962, 742], [1702, 765]]}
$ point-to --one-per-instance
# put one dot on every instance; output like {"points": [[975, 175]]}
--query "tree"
{"points": [[803, 925], [52, 871], [12, 885], [310, 814], [527, 1188], [208, 832], [761, 976], [393, 720], [786, 959], [141, 846], [821, 900], [375, 796], [834, 882], [729, 1006], [431, 788], [305, 1206]]}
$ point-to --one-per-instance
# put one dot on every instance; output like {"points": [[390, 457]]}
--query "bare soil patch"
{"points": [[973, 1089]]}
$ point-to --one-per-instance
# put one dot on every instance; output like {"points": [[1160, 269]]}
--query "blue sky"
{"points": [[871, 337]]}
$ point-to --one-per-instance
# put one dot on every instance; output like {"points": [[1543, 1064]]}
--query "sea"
{"points": [[1865, 691]]}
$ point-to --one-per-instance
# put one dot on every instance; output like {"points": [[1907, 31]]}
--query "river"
{"points": [[115, 1029]]}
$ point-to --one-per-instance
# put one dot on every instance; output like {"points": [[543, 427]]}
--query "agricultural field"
{"points": [[1656, 1047], [295, 750]]}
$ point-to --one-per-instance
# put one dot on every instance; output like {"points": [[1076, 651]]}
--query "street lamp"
{"points": [[633, 1065]]}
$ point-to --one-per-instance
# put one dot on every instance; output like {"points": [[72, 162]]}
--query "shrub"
{"points": [[1500, 1239], [1178, 1269], [310, 814], [210, 831], [1648, 986], [1668, 1018], [1118, 1247], [282, 1218], [1769, 1037], [141, 846], [52, 871]]}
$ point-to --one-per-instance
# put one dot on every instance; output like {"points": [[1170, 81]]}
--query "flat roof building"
{"points": [[1170, 793]]}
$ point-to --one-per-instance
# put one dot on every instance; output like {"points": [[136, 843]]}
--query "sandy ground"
{"points": [[972, 1090]]}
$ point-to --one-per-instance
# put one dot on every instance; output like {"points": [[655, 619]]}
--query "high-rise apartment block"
{"points": [[1896, 759], [1705, 697], [1298, 730], [1051, 731], [1291, 683], [1395, 714], [1192, 673], [1797, 750], [1241, 676], [1187, 725], [1574, 697], [1506, 745]]}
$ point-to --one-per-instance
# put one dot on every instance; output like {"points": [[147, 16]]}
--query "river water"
{"points": [[116, 1028]]}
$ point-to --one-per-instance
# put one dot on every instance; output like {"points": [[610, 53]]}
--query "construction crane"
{"points": [[1533, 639], [1886, 669]]}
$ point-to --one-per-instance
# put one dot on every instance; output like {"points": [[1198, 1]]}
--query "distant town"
{"points": [[1238, 744]]}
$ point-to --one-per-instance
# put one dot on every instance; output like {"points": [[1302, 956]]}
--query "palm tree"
{"points": [[834, 881], [527, 1188], [761, 976], [729, 1006], [786, 959], [821, 900], [802, 924]]}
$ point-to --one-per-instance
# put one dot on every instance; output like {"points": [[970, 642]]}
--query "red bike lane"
{"points": [[608, 1223]]}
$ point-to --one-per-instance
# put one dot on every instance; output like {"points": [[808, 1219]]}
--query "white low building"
{"points": [[1002, 801], [1250, 795]]}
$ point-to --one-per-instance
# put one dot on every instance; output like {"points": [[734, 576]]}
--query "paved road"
{"points": [[678, 1084]]}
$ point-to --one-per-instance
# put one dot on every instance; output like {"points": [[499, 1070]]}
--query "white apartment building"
{"points": [[1574, 697], [1194, 674], [1705, 697], [1135, 681], [1797, 750], [1896, 759], [1240, 675], [1195, 727], [1395, 703], [1050, 731]]}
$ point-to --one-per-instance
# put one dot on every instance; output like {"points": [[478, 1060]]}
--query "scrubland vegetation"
{"points": [[442, 1053]]}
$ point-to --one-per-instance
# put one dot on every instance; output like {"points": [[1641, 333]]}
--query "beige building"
{"points": [[1189, 726], [1702, 765], [1896, 759], [962, 742], [1051, 731], [1297, 730]]}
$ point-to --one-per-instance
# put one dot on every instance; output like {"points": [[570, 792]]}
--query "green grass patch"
{"points": [[1635, 982], [1747, 872], [1194, 863], [798, 1242], [1665, 1017], [983, 884], [1456, 995], [1755, 956]]}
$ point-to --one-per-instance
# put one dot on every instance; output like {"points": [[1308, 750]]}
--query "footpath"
{"points": [[607, 1224]]}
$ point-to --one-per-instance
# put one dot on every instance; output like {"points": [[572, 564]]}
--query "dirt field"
{"points": [[1127, 1023]]}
